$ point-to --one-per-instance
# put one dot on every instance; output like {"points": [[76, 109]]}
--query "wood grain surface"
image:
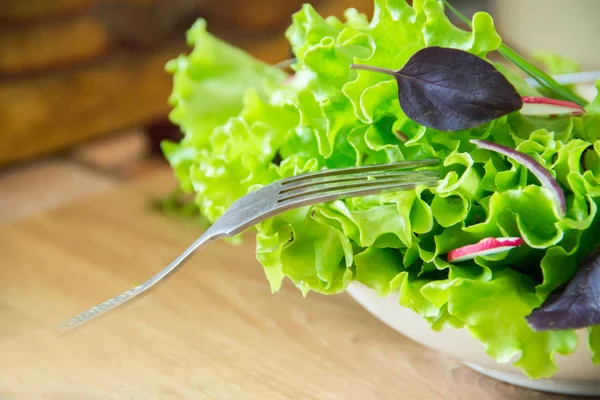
{"points": [[56, 111], [26, 10], [213, 331], [51, 45], [101, 69]]}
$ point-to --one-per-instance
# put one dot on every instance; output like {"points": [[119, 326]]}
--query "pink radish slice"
{"points": [[546, 106], [484, 247], [528, 162]]}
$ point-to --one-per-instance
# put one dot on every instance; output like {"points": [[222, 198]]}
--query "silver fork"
{"points": [[280, 196]]}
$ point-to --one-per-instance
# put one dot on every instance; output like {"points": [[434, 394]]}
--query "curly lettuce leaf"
{"points": [[395, 243], [208, 88], [511, 297]]}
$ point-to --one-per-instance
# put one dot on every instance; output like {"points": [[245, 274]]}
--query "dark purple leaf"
{"points": [[449, 89], [577, 305]]}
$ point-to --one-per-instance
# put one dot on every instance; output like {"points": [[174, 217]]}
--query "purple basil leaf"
{"points": [[449, 89], [577, 305]]}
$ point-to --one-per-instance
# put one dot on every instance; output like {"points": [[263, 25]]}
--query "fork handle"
{"points": [[207, 236]]}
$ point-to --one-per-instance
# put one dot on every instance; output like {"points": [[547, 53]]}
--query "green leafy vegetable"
{"points": [[208, 88], [556, 64], [594, 343], [245, 127], [536, 168]]}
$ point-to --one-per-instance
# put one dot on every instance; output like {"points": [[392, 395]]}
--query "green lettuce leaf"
{"points": [[255, 130], [216, 71], [555, 64], [594, 343], [511, 298]]}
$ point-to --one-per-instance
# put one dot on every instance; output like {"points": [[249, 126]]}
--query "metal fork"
{"points": [[280, 196]]}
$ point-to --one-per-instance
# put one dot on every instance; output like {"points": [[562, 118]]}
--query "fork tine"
{"points": [[406, 176], [352, 187], [366, 168], [311, 198]]}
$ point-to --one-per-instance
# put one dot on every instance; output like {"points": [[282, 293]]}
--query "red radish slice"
{"points": [[484, 247], [547, 106], [528, 162]]}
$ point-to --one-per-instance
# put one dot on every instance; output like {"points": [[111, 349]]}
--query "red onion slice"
{"points": [[528, 162]]}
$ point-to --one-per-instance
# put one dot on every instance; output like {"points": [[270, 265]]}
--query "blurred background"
{"points": [[83, 90]]}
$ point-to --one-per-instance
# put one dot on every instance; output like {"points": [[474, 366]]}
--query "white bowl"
{"points": [[577, 375]]}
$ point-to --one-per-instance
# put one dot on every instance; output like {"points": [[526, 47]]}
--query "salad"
{"points": [[504, 246]]}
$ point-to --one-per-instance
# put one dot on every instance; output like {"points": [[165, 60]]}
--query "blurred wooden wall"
{"points": [[73, 70]]}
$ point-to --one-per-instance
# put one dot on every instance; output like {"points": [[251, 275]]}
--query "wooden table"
{"points": [[75, 70], [213, 331]]}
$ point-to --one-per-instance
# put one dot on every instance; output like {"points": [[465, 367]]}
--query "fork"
{"points": [[290, 193]]}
